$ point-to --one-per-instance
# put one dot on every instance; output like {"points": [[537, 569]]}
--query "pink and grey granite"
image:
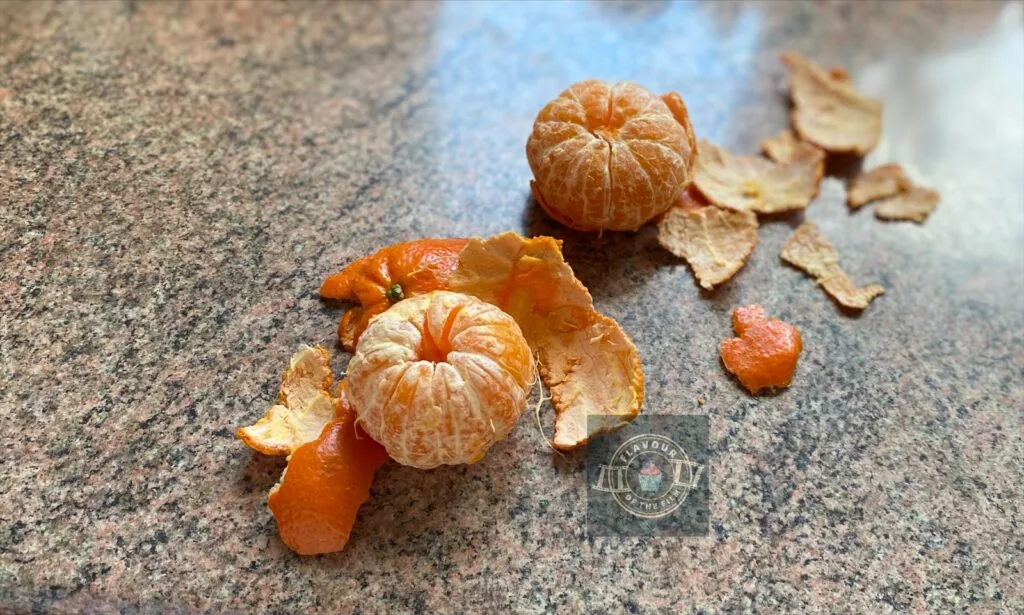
{"points": [[176, 179]]}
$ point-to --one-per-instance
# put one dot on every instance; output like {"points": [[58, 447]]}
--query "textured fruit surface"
{"points": [[610, 156], [764, 353], [589, 364], [325, 483], [439, 378], [387, 276]]}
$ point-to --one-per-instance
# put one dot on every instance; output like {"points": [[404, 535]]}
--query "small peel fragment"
{"points": [[914, 203], [879, 183], [828, 111], [587, 361], [809, 250], [715, 241], [901, 199], [787, 147], [764, 352], [752, 183], [304, 406]]}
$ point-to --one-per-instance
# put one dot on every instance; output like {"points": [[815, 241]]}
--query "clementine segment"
{"points": [[387, 276], [610, 156], [765, 352], [439, 378], [326, 481]]}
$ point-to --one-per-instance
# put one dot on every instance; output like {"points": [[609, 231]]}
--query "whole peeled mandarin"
{"points": [[610, 156], [439, 378]]}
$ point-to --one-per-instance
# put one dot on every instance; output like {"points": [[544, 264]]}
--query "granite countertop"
{"points": [[176, 180]]}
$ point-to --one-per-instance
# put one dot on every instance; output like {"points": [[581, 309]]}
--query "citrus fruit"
{"points": [[326, 481], [440, 377], [610, 156], [387, 276]]}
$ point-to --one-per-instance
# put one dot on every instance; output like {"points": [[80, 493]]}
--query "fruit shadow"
{"points": [[415, 514], [609, 263], [262, 472]]}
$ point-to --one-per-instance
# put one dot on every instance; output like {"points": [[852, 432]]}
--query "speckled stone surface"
{"points": [[175, 181]]}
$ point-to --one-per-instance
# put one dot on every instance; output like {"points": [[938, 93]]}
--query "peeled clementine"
{"points": [[610, 156], [387, 276], [439, 378], [325, 483]]}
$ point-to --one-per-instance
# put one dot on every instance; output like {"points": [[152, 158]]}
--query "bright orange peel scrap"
{"points": [[304, 405], [715, 241], [828, 111], [326, 482], [439, 378], [809, 250], [753, 183], [387, 276], [587, 361], [764, 352]]}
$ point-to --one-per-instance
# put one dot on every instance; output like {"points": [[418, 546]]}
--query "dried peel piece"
{"points": [[304, 406], [752, 183], [715, 241], [764, 352], [900, 198], [828, 111], [809, 250], [327, 480], [913, 203], [787, 147], [587, 361], [882, 182], [387, 276]]}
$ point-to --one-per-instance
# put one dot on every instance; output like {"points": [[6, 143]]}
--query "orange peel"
{"points": [[326, 482], [787, 147], [809, 250], [828, 111], [913, 203], [899, 198], [587, 361], [439, 378], [764, 352], [879, 183], [715, 241], [752, 183], [387, 276], [610, 156], [304, 405]]}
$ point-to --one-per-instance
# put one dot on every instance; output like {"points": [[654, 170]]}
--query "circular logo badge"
{"points": [[650, 476]]}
